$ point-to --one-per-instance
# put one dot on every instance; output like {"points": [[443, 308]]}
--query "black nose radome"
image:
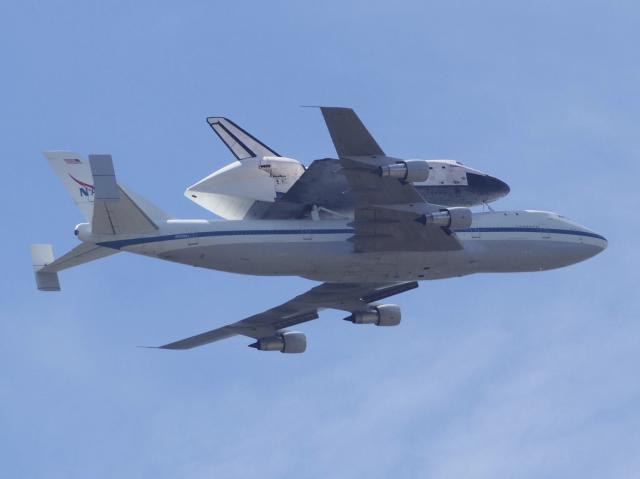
{"points": [[487, 187]]}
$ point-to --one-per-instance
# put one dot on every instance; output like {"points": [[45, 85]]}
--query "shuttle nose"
{"points": [[487, 187], [501, 187]]}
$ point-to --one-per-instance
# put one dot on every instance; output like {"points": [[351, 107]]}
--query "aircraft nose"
{"points": [[500, 186], [601, 243], [592, 244], [487, 186]]}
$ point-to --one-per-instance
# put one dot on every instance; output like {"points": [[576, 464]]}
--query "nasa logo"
{"points": [[86, 190]]}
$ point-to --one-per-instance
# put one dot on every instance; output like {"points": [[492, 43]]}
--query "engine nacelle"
{"points": [[453, 218], [287, 342], [408, 171], [381, 315]]}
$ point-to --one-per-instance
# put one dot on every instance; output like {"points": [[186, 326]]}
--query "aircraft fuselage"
{"points": [[513, 241]]}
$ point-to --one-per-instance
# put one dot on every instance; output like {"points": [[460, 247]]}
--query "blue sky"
{"points": [[527, 375]]}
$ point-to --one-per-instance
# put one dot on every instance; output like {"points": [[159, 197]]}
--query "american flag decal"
{"points": [[72, 161]]}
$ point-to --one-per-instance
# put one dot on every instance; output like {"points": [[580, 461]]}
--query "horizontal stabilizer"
{"points": [[242, 144], [41, 256], [114, 211], [83, 253], [46, 267]]}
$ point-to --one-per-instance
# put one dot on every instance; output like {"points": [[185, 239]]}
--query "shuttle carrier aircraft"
{"points": [[377, 238]]}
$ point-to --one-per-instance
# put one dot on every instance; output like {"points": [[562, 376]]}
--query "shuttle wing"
{"points": [[305, 307]]}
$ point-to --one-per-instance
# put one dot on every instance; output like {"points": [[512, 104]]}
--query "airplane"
{"points": [[262, 184], [392, 240]]}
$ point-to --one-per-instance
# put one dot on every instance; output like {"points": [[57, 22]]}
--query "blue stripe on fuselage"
{"points": [[507, 229], [117, 244]]}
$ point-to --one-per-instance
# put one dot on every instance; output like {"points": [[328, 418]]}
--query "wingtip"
{"points": [[325, 107]]}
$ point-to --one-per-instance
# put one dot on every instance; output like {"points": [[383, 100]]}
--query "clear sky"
{"points": [[526, 375]]}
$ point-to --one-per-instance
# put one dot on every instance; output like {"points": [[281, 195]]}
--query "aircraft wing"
{"points": [[360, 157], [390, 214], [350, 297], [350, 137]]}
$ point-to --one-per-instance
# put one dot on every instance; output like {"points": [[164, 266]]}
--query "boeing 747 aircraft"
{"points": [[385, 239]]}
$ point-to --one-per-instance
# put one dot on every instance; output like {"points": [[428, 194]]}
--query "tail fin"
{"points": [[114, 210], [74, 172], [111, 209], [241, 143], [126, 212]]}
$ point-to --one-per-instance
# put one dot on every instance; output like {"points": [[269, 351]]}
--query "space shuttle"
{"points": [[263, 184]]}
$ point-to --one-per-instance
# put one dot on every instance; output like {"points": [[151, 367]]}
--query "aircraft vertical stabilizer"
{"points": [[74, 172], [115, 212], [241, 143]]}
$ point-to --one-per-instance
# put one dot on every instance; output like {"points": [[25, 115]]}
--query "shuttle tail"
{"points": [[240, 142]]}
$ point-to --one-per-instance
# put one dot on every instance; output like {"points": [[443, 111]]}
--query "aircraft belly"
{"points": [[323, 261], [334, 260], [526, 254], [271, 259]]}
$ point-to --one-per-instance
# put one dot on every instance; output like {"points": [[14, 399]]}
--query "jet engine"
{"points": [[408, 171], [454, 218], [380, 315], [287, 342]]}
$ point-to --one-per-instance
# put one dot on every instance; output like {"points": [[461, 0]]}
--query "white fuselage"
{"points": [[320, 250]]}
